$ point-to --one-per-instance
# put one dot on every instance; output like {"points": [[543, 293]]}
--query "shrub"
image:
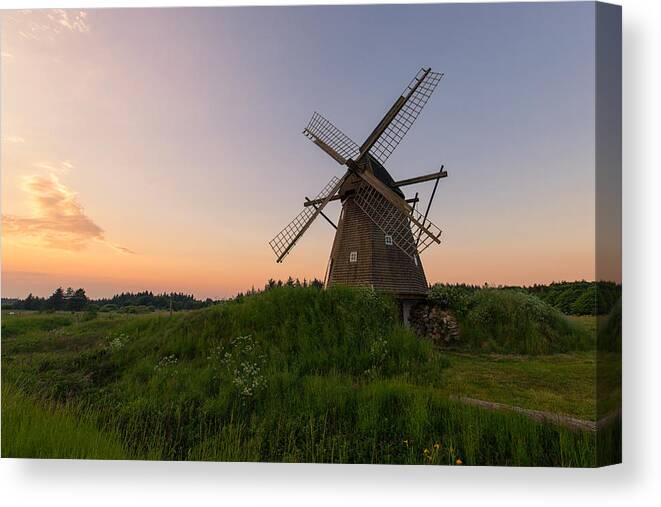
{"points": [[91, 313], [586, 303], [512, 321], [134, 309], [452, 297]]}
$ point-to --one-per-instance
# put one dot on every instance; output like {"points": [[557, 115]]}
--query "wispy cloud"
{"points": [[123, 249], [13, 139], [58, 219], [74, 21], [48, 24], [62, 167]]}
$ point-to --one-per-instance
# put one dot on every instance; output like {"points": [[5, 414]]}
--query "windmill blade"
{"points": [[285, 240], [395, 217], [398, 120], [330, 139], [403, 228]]}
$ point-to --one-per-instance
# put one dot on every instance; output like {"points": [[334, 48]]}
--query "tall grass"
{"points": [[389, 422], [29, 322], [293, 374], [31, 429]]}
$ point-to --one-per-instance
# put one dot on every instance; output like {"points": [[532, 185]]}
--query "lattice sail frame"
{"points": [[403, 120], [392, 221], [288, 236], [328, 137]]}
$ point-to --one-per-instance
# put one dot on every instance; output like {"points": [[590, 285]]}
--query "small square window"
{"points": [[388, 239], [353, 257]]}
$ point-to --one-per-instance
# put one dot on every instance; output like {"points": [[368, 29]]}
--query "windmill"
{"points": [[380, 233]]}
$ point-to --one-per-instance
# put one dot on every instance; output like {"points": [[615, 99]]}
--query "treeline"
{"points": [[571, 298], [134, 302], [579, 298], [60, 300], [147, 301], [291, 282], [128, 302]]}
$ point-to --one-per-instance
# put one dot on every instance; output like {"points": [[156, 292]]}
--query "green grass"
{"points": [[560, 383], [292, 374], [24, 322], [588, 322], [31, 429]]}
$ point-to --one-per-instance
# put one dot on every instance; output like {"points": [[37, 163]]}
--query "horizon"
{"points": [[259, 288], [167, 150]]}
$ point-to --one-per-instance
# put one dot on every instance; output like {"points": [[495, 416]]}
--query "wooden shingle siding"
{"points": [[385, 267]]}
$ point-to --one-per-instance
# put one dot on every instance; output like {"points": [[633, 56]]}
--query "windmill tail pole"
{"points": [[307, 200], [433, 193]]}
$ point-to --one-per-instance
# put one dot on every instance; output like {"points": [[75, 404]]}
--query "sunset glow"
{"points": [[162, 149]]}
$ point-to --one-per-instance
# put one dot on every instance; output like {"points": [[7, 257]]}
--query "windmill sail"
{"points": [[397, 122], [372, 200], [402, 227], [285, 240], [330, 139]]}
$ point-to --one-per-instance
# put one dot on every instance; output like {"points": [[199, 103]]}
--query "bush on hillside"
{"points": [[515, 322], [452, 297], [580, 297], [510, 320]]}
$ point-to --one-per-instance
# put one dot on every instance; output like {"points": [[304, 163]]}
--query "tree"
{"points": [[29, 303], [56, 300], [317, 284], [78, 301]]}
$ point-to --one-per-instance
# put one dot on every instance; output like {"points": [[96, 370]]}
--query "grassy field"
{"points": [[562, 383], [31, 429], [289, 375]]}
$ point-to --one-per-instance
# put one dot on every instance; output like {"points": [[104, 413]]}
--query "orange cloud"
{"points": [[58, 221]]}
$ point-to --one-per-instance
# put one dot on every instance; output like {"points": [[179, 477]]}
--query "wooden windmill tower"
{"points": [[380, 234]]}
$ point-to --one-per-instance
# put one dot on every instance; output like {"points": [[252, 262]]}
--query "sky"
{"points": [[161, 149]]}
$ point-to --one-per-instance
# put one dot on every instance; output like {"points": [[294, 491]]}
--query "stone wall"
{"points": [[439, 326]]}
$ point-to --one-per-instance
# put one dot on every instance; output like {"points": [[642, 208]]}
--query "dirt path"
{"points": [[540, 415]]}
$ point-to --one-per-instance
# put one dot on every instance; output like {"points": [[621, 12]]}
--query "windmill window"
{"points": [[388, 239], [353, 257]]}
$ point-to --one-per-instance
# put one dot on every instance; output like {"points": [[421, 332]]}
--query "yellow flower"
{"points": [[426, 451], [459, 462], [437, 445]]}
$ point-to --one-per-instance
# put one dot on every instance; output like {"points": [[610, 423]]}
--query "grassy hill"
{"points": [[291, 374], [510, 321]]}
